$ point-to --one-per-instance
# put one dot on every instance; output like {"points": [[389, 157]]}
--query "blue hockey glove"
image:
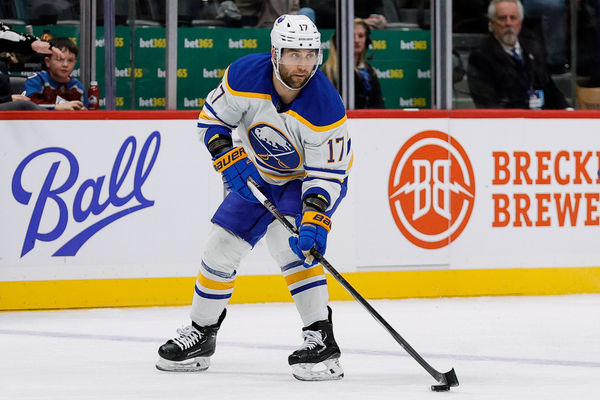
{"points": [[235, 168], [314, 227]]}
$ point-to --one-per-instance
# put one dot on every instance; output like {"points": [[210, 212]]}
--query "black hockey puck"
{"points": [[440, 388]]}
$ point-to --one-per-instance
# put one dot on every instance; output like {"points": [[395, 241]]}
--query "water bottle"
{"points": [[93, 96]]}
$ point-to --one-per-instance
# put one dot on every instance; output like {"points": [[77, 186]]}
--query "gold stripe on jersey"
{"points": [[264, 172], [315, 127], [204, 115], [350, 163]]}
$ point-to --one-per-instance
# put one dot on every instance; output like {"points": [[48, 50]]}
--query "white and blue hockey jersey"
{"points": [[307, 139]]}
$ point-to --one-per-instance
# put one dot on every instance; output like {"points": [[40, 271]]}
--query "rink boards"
{"points": [[112, 209]]}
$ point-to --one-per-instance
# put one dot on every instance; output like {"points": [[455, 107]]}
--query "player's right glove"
{"points": [[235, 168]]}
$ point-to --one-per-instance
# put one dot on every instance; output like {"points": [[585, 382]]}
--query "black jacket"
{"points": [[11, 41], [497, 80], [5, 95], [367, 99], [14, 42]]}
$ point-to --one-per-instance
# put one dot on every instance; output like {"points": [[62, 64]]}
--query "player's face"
{"points": [[296, 66], [60, 68], [507, 23], [360, 38]]}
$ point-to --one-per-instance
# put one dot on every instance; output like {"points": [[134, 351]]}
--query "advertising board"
{"points": [[453, 204]]}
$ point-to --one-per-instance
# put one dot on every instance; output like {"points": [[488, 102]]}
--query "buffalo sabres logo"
{"points": [[273, 149]]}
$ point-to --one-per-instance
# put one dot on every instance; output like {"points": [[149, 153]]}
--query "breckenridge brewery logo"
{"points": [[431, 189]]}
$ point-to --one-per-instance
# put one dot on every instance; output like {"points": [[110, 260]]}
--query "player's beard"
{"points": [[289, 79]]}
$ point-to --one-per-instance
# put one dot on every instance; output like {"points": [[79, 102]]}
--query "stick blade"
{"points": [[451, 379]]}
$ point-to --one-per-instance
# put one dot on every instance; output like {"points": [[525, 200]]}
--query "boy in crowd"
{"points": [[56, 88]]}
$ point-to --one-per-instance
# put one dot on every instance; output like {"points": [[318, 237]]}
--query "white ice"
{"points": [[501, 348]]}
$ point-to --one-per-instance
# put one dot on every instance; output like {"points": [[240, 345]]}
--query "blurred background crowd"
{"points": [[560, 38]]}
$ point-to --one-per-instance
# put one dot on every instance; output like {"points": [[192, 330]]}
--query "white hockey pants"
{"points": [[221, 259]]}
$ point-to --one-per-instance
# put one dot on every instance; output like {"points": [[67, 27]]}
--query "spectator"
{"points": [[323, 10], [8, 101], [264, 13], [56, 88], [504, 73], [366, 84], [370, 10], [468, 16], [367, 90], [552, 15], [11, 41], [595, 76], [229, 13], [588, 42], [330, 67]]}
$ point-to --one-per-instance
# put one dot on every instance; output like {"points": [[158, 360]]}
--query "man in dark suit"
{"points": [[504, 73]]}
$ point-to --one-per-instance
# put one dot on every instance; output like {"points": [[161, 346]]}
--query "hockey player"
{"points": [[295, 144]]}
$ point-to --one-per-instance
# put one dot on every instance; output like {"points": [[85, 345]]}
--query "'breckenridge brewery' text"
{"points": [[547, 188]]}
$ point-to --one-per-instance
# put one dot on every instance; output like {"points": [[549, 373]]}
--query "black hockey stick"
{"points": [[445, 380]]}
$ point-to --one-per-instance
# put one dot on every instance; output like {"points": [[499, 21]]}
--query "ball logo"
{"points": [[431, 189], [108, 197]]}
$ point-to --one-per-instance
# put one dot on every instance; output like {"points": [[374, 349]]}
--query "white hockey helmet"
{"points": [[295, 32]]}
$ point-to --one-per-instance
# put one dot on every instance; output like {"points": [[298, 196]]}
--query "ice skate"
{"points": [[318, 357], [191, 350]]}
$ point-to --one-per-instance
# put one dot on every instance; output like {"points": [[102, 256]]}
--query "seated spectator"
{"points": [[552, 15], [595, 75], [229, 13], [371, 11], [367, 90], [14, 42], [9, 101], [11, 41], [264, 13], [325, 12], [55, 88], [468, 16], [505, 73]]}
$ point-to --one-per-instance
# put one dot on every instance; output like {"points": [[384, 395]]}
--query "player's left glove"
{"points": [[235, 168], [313, 229]]}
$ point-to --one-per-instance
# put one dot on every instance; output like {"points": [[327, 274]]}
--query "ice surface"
{"points": [[501, 348]]}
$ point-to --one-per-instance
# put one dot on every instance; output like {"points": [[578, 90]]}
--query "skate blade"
{"points": [[327, 370], [197, 364]]}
